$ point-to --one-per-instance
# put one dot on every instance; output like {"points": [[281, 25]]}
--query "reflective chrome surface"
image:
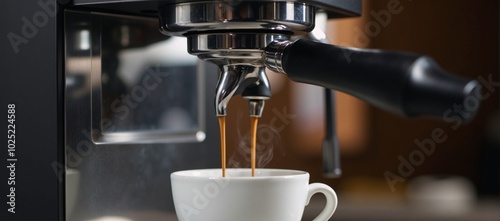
{"points": [[195, 17], [256, 107], [274, 54], [239, 57], [257, 93], [136, 110], [232, 79], [234, 35], [232, 48]]}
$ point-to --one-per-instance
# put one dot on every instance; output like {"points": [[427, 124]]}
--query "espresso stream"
{"points": [[222, 131], [253, 142]]}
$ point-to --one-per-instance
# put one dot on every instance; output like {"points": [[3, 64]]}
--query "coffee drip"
{"points": [[222, 132], [253, 142]]}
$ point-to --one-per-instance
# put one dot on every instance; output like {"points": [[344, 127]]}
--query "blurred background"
{"points": [[386, 173]]}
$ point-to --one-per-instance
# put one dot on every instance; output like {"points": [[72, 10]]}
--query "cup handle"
{"points": [[331, 200]]}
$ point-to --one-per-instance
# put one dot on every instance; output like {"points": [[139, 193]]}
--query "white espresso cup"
{"points": [[271, 195]]}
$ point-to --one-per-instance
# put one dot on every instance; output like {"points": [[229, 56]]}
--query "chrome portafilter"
{"points": [[239, 58], [234, 37]]}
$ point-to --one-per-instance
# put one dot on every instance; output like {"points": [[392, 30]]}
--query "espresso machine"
{"points": [[112, 106]]}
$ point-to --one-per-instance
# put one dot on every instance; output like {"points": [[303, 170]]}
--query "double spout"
{"points": [[249, 81], [242, 69]]}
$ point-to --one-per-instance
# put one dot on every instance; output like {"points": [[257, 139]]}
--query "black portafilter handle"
{"points": [[409, 84]]}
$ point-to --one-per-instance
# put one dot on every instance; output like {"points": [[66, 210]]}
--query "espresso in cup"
{"points": [[270, 195]]}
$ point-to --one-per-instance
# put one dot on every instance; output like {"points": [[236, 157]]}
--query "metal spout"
{"points": [[256, 107], [233, 80], [257, 93], [239, 57]]}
